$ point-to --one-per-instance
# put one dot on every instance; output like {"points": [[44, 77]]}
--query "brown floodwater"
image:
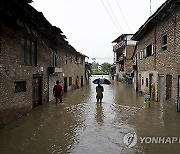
{"points": [[82, 126]]}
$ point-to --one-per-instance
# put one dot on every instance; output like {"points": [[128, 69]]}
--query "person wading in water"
{"points": [[99, 91], [58, 92]]}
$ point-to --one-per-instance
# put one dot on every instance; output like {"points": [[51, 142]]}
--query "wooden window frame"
{"points": [[70, 81], [19, 86], [53, 58], [28, 52], [164, 42]]}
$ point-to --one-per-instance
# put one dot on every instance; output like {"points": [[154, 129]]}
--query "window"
{"points": [[146, 82], [23, 59], [20, 86], [144, 53], [164, 43], [66, 59], [149, 50], [142, 81], [33, 54], [53, 58], [71, 59], [77, 60], [70, 81], [28, 52], [141, 55], [82, 60]]}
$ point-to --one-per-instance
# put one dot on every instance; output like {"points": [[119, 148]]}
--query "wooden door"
{"points": [[168, 87], [81, 81], [161, 87], [150, 83]]}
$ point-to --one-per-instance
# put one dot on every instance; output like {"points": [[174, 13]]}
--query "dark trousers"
{"points": [[59, 99]]}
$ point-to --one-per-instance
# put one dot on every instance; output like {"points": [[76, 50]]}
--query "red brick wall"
{"points": [[148, 63], [177, 43], [128, 60], [164, 62]]}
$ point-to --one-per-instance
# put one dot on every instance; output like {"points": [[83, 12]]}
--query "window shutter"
{"points": [[152, 51], [145, 52], [139, 55], [22, 51]]}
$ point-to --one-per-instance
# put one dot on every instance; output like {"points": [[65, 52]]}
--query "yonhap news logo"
{"points": [[130, 139]]}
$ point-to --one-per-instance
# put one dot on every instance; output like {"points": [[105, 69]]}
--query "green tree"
{"points": [[105, 67]]}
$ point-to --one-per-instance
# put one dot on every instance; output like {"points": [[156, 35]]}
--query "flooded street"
{"points": [[81, 126]]}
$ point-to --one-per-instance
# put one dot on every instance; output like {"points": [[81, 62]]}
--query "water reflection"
{"points": [[80, 125], [99, 114]]}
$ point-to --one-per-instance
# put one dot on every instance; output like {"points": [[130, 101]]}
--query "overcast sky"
{"points": [[91, 25]]}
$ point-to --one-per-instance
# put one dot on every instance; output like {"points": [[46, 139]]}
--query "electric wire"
{"points": [[110, 16], [114, 16], [123, 16]]}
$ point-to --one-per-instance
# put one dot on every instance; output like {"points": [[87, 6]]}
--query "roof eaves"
{"points": [[151, 20], [120, 37]]}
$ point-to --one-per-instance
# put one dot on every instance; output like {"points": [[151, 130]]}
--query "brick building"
{"points": [[33, 55], [158, 54], [123, 48]]}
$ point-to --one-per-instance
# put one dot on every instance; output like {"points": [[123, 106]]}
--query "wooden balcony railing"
{"points": [[117, 46]]}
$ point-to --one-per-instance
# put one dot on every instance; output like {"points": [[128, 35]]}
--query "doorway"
{"points": [[81, 81], [65, 84], [139, 83], [168, 87], [150, 83], [37, 90], [161, 87]]}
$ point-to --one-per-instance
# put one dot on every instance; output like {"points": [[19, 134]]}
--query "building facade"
{"points": [[33, 55], [158, 55], [123, 48]]}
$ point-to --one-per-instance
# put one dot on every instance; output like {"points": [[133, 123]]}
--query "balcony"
{"points": [[119, 45], [120, 58], [55, 70]]}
